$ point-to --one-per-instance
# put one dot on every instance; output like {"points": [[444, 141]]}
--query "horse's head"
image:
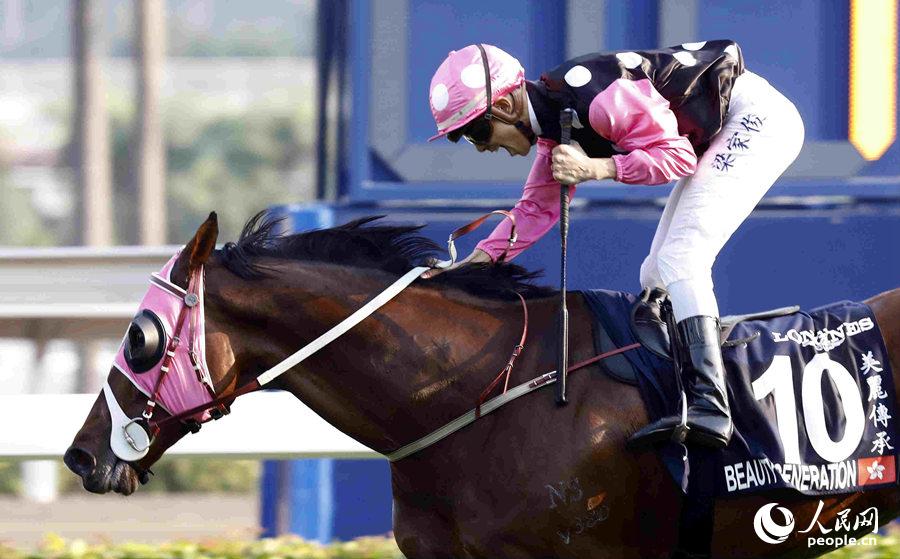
{"points": [[161, 369]]}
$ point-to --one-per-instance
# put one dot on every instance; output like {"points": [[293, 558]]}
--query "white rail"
{"points": [[267, 424], [75, 293]]}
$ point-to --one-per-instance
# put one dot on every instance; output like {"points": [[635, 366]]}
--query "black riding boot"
{"points": [[708, 415]]}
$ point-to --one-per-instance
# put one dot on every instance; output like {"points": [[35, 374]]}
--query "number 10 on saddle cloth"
{"points": [[814, 405], [811, 393]]}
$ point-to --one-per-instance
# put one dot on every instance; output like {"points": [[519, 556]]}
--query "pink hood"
{"points": [[183, 388]]}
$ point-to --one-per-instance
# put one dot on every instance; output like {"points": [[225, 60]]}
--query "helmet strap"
{"points": [[487, 81], [525, 130]]}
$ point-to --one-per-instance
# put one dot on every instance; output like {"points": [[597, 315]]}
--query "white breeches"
{"points": [[762, 135]]}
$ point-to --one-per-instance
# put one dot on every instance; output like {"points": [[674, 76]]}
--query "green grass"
{"points": [[289, 547], [55, 547]]}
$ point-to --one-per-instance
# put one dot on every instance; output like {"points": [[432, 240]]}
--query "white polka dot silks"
{"points": [[577, 76], [685, 58], [630, 60]]}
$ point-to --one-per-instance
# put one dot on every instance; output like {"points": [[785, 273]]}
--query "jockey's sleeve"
{"points": [[637, 119], [536, 212]]}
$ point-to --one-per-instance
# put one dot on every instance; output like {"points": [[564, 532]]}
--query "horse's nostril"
{"points": [[79, 461]]}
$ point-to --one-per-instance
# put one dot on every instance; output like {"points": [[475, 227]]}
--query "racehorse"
{"points": [[530, 480]]}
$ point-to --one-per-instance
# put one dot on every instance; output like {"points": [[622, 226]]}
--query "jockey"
{"points": [[692, 112]]}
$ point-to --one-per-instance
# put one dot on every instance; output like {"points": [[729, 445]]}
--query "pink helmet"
{"points": [[458, 90]]}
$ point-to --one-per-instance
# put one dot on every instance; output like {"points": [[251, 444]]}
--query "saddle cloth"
{"points": [[811, 393]]}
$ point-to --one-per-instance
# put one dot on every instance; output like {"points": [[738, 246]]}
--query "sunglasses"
{"points": [[479, 131]]}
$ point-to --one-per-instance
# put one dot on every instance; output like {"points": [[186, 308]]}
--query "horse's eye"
{"points": [[146, 342]]}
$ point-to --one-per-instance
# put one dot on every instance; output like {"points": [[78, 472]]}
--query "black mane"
{"points": [[391, 248]]}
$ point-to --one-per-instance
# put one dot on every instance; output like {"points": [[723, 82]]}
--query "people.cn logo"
{"points": [[770, 531]]}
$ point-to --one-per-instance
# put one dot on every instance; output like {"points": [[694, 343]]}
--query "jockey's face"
{"points": [[504, 133], [507, 137]]}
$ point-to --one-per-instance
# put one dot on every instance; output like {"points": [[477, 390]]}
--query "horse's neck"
{"points": [[418, 362]]}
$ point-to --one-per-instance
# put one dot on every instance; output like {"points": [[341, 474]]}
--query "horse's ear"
{"points": [[197, 251]]}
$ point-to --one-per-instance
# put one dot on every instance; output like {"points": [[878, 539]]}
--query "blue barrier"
{"points": [[326, 499]]}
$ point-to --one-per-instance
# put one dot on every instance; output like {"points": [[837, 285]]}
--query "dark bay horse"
{"points": [[530, 480]]}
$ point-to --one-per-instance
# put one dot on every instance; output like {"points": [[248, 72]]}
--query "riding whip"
{"points": [[565, 123]]}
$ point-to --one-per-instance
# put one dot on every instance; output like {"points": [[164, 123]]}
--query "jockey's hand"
{"points": [[477, 255], [570, 165]]}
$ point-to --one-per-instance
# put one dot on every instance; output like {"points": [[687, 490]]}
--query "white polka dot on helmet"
{"points": [[458, 93], [439, 97]]}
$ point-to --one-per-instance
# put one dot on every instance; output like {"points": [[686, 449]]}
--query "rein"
{"points": [[507, 369]]}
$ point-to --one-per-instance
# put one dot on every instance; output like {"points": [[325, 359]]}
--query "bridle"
{"points": [[131, 438]]}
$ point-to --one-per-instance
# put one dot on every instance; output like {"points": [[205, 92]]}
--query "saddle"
{"points": [[648, 323]]}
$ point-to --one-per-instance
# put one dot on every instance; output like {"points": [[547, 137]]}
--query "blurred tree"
{"points": [[41, 29], [236, 165], [19, 223], [90, 138], [234, 161], [150, 163], [10, 478]]}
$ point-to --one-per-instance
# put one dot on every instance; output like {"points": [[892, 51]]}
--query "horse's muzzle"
{"points": [[119, 476]]}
